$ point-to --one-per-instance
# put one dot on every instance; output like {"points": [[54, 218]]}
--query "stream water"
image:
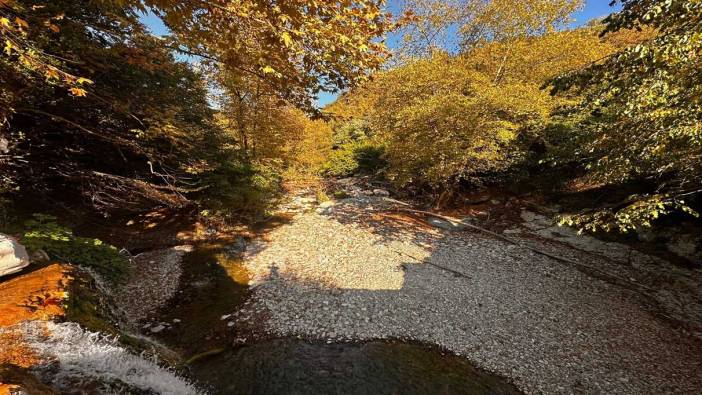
{"points": [[78, 359], [215, 283], [287, 366]]}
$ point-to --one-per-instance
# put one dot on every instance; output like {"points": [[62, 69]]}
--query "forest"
{"points": [[491, 110], [98, 113]]}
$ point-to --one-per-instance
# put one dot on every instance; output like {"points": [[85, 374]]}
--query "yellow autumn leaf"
{"points": [[8, 47], [78, 92], [52, 74], [287, 40], [268, 70], [5, 22], [82, 80], [21, 23]]}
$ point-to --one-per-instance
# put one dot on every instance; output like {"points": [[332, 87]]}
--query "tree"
{"points": [[452, 119], [644, 113], [127, 142], [299, 47], [466, 24], [136, 128]]}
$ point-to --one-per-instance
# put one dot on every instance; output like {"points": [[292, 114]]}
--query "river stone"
{"points": [[237, 248], [13, 256], [441, 224], [4, 145], [158, 328], [687, 246], [381, 192], [326, 204]]}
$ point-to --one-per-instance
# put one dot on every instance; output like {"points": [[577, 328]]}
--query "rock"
{"points": [[326, 204], [347, 181], [326, 208], [687, 246], [535, 221], [530, 216], [158, 328], [441, 224], [237, 248], [13, 256], [381, 192], [40, 256], [306, 200]]}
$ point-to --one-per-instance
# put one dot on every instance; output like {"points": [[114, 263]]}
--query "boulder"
{"points": [[687, 246], [13, 256], [441, 224], [40, 256], [381, 192]]}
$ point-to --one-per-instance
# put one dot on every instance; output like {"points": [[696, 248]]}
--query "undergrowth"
{"points": [[43, 232]]}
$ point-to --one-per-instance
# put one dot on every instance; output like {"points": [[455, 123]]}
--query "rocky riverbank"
{"points": [[357, 292], [356, 270]]}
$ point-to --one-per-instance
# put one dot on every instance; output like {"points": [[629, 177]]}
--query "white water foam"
{"points": [[77, 356]]}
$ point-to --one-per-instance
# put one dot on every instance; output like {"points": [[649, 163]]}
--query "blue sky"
{"points": [[593, 9]]}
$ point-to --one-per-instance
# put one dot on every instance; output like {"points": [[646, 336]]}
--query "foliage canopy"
{"points": [[645, 112]]}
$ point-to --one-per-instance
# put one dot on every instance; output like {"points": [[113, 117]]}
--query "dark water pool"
{"points": [[289, 366]]}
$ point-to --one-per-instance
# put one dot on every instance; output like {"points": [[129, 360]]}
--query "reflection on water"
{"points": [[289, 366]]}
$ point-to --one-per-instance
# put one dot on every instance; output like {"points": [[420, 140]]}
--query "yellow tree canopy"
{"points": [[300, 47]]}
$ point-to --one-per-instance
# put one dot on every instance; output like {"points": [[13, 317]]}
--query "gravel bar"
{"points": [[349, 272]]}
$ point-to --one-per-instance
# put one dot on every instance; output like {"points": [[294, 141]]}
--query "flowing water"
{"points": [[74, 358]]}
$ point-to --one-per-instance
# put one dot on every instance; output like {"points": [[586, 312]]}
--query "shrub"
{"points": [[44, 233], [341, 163], [242, 188], [354, 158]]}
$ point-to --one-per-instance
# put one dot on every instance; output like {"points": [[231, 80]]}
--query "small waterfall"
{"points": [[76, 357]]}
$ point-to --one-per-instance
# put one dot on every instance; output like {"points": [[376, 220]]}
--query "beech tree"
{"points": [[467, 24], [644, 113], [90, 101]]}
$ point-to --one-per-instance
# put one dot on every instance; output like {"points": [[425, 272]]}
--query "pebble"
{"points": [[158, 328], [523, 315]]}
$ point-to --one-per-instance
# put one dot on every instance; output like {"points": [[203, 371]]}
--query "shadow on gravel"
{"points": [[378, 217], [550, 327]]}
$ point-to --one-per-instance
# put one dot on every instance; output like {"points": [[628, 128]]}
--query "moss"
{"points": [[86, 306], [341, 194], [322, 196]]}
